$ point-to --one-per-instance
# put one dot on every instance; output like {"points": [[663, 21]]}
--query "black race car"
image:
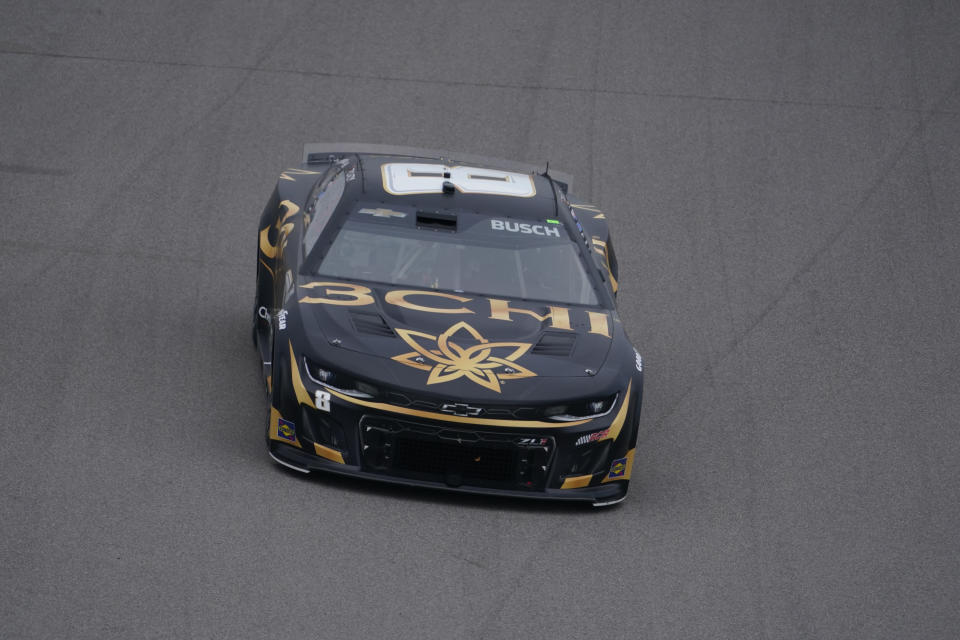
{"points": [[443, 320]]}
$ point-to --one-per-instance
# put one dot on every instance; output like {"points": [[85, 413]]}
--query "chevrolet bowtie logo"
{"points": [[486, 364], [460, 409]]}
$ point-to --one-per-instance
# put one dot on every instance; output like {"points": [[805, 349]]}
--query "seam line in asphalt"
{"points": [[489, 85], [128, 253]]}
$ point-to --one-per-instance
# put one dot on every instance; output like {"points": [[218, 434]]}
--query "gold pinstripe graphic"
{"points": [[326, 452], [621, 416], [575, 482], [303, 397], [446, 417]]}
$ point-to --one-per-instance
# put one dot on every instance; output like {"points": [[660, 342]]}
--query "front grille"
{"points": [[472, 463], [454, 457], [402, 400]]}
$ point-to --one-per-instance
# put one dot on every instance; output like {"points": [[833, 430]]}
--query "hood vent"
{"points": [[370, 323], [436, 221], [555, 344]]}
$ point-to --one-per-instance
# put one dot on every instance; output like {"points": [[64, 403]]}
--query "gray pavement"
{"points": [[782, 180]]}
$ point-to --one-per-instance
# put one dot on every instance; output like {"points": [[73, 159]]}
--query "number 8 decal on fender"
{"points": [[322, 400]]}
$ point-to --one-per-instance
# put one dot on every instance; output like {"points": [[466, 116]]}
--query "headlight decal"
{"points": [[323, 378]]}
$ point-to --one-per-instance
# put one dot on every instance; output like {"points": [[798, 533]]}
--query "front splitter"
{"points": [[293, 458]]}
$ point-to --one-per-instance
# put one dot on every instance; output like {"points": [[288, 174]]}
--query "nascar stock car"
{"points": [[437, 319]]}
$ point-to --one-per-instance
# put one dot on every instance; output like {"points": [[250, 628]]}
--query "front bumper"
{"points": [[525, 459], [303, 461]]}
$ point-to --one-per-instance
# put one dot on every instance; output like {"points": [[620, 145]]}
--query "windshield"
{"points": [[482, 255]]}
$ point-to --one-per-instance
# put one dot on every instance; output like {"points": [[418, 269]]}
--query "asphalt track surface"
{"points": [[782, 181]]}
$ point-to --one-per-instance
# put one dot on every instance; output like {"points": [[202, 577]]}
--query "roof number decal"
{"points": [[404, 179]]}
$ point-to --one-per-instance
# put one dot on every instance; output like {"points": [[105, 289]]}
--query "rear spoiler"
{"points": [[319, 152]]}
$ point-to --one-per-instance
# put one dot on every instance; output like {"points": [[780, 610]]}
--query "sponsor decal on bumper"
{"points": [[286, 430], [618, 469]]}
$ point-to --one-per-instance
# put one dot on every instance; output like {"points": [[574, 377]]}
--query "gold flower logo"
{"points": [[449, 361]]}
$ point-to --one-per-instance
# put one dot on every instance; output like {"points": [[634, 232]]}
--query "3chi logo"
{"points": [[486, 364]]}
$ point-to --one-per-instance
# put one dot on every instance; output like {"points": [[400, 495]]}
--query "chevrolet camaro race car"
{"points": [[437, 319]]}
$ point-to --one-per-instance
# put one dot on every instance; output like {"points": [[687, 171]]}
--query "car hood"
{"points": [[456, 341]]}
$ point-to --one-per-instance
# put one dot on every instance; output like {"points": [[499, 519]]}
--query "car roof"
{"points": [[539, 205]]}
